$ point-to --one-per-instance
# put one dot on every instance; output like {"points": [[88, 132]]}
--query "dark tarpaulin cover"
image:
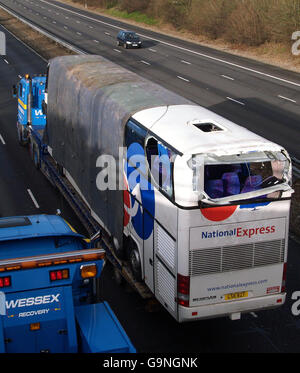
{"points": [[90, 99]]}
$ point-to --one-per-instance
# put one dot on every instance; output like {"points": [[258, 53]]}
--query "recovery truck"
{"points": [[47, 290]]}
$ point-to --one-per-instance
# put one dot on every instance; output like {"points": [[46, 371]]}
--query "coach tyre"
{"points": [[135, 264]]}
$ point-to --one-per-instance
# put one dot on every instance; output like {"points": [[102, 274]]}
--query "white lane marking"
{"points": [[2, 139], [238, 102], [253, 314], [65, 27], [53, 22], [78, 33], [152, 50], [20, 76], [91, 27], [22, 42], [185, 49], [117, 50], [186, 62], [107, 33], [6, 61], [145, 62], [227, 77], [77, 21], [286, 98], [33, 199], [180, 77], [96, 41]]}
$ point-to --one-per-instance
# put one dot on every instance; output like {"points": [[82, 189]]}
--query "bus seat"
{"points": [[237, 168], [214, 188], [231, 183], [252, 183]]}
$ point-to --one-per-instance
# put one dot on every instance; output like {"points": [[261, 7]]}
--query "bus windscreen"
{"points": [[231, 179]]}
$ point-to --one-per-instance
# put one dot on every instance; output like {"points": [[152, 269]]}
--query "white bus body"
{"points": [[211, 225]]}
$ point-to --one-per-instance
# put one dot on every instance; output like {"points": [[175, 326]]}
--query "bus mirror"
{"points": [[197, 164], [14, 91]]}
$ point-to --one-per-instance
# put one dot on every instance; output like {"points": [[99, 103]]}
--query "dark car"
{"points": [[129, 39]]}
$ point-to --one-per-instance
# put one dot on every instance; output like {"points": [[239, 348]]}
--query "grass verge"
{"points": [[44, 46]]}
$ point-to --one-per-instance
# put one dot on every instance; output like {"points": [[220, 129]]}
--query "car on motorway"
{"points": [[128, 39]]}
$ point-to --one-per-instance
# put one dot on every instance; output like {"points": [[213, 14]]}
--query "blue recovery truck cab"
{"points": [[30, 93], [48, 276]]}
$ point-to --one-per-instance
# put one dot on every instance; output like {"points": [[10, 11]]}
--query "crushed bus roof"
{"points": [[180, 126]]}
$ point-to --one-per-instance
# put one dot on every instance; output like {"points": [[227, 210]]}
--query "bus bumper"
{"points": [[231, 309]]}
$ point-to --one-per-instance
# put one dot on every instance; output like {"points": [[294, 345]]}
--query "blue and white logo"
{"points": [[142, 200]]}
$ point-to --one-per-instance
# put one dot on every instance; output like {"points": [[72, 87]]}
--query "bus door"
{"points": [[160, 160], [139, 203]]}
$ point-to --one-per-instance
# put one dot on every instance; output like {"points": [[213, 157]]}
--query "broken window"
{"points": [[231, 179], [160, 160]]}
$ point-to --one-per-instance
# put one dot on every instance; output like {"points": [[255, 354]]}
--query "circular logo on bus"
{"points": [[139, 202], [218, 213]]}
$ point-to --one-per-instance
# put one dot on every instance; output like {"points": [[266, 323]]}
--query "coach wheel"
{"points": [[135, 264], [118, 249]]}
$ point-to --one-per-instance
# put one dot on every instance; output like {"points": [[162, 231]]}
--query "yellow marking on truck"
{"points": [[22, 104]]}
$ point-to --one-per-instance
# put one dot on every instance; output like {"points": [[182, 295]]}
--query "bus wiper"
{"points": [[270, 181], [284, 187]]}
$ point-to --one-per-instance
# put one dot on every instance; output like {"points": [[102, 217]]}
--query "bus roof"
{"points": [[21, 227], [192, 129]]}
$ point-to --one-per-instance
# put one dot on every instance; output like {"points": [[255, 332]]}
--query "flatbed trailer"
{"points": [[55, 174]]}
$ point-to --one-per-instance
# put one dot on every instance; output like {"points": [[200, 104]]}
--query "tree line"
{"points": [[248, 22]]}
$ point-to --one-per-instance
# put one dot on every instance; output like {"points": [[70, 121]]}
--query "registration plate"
{"points": [[134, 45], [238, 295]]}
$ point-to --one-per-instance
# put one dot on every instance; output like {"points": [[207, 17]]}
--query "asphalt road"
{"points": [[150, 329], [262, 98]]}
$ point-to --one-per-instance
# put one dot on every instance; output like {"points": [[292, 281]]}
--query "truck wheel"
{"points": [[60, 169], [21, 136], [118, 277], [135, 264], [36, 157], [31, 145]]}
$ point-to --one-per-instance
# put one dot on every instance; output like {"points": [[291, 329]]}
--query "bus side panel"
{"points": [[165, 252]]}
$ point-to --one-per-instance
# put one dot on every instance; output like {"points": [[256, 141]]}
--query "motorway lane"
{"points": [[268, 106], [18, 176], [268, 331]]}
